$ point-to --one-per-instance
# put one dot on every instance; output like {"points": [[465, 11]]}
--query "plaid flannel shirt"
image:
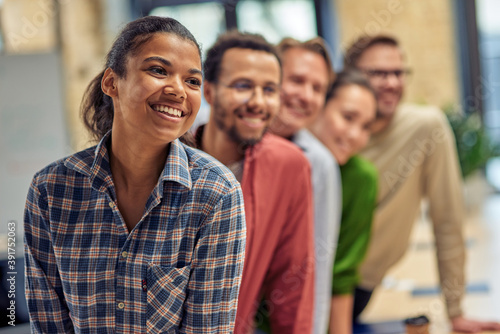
{"points": [[178, 270]]}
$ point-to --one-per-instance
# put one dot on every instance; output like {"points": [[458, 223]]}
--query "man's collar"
{"points": [[198, 136]]}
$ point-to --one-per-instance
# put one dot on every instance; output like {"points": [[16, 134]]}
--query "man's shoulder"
{"points": [[271, 142], [420, 115], [314, 150], [279, 151]]}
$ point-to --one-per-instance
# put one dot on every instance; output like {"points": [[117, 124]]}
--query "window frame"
{"points": [[468, 54], [325, 16]]}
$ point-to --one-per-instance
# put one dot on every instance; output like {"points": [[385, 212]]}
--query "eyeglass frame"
{"points": [[400, 74], [234, 86]]}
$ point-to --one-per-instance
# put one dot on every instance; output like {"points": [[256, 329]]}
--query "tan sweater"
{"points": [[416, 158]]}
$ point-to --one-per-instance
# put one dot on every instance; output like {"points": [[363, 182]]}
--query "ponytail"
{"points": [[97, 109]]}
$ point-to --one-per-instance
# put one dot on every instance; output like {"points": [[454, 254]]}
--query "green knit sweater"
{"points": [[359, 195]]}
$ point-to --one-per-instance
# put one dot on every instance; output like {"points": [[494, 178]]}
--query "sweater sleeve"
{"points": [[359, 180], [443, 186]]}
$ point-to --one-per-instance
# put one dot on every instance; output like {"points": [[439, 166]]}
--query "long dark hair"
{"points": [[97, 108]]}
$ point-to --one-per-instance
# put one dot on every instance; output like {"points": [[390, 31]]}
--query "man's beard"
{"points": [[387, 112], [232, 131]]}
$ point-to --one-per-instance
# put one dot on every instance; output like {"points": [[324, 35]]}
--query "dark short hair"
{"points": [[356, 50], [97, 108], [349, 77], [316, 45], [229, 40]]}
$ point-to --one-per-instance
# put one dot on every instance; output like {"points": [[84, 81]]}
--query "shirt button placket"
{"points": [[120, 287]]}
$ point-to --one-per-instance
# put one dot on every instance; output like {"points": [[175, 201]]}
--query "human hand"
{"points": [[462, 325]]}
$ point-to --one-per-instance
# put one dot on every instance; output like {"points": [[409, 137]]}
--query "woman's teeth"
{"points": [[168, 110]]}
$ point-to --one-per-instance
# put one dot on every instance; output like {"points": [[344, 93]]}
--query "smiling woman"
{"points": [[152, 61], [344, 125], [160, 95], [140, 233], [344, 128]]}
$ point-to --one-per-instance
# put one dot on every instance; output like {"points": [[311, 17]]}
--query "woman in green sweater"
{"points": [[344, 128]]}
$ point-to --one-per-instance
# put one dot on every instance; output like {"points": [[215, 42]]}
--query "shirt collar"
{"points": [[198, 134], [99, 171], [301, 138], [177, 165], [93, 163]]}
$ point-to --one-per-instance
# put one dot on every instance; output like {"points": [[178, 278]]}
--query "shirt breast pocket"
{"points": [[166, 295]]}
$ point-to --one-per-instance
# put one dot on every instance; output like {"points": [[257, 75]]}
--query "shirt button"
{"points": [[111, 205], [121, 305], [124, 254]]}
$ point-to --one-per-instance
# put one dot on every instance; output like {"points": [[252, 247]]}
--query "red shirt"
{"points": [[279, 260]]}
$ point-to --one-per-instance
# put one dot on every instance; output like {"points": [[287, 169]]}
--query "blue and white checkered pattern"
{"points": [[178, 270]]}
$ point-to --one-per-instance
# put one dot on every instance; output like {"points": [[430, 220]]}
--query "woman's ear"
{"points": [[108, 83]]}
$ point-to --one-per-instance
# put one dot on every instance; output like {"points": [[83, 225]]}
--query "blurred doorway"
{"points": [[274, 19]]}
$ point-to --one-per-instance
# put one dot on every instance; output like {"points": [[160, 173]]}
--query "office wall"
{"points": [[424, 27], [32, 130], [80, 31]]}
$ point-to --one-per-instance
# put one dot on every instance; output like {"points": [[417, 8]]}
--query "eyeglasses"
{"points": [[399, 74], [245, 90]]}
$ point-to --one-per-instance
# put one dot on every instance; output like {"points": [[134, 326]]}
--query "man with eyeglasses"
{"points": [[414, 151], [242, 86]]}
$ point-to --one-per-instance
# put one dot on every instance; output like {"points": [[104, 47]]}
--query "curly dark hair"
{"points": [[229, 40]]}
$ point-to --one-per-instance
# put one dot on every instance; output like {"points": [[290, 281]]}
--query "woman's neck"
{"points": [[135, 165]]}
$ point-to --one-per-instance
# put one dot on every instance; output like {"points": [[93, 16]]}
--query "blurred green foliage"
{"points": [[474, 145]]}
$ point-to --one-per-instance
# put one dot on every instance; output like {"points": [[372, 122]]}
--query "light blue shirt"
{"points": [[327, 190]]}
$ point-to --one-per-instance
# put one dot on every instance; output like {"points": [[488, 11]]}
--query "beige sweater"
{"points": [[416, 158]]}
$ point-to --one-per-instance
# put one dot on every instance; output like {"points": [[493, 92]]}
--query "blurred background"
{"points": [[51, 49]]}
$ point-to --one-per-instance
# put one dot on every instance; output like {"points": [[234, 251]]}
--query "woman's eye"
{"points": [[317, 88], [348, 117], [157, 70], [194, 82]]}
